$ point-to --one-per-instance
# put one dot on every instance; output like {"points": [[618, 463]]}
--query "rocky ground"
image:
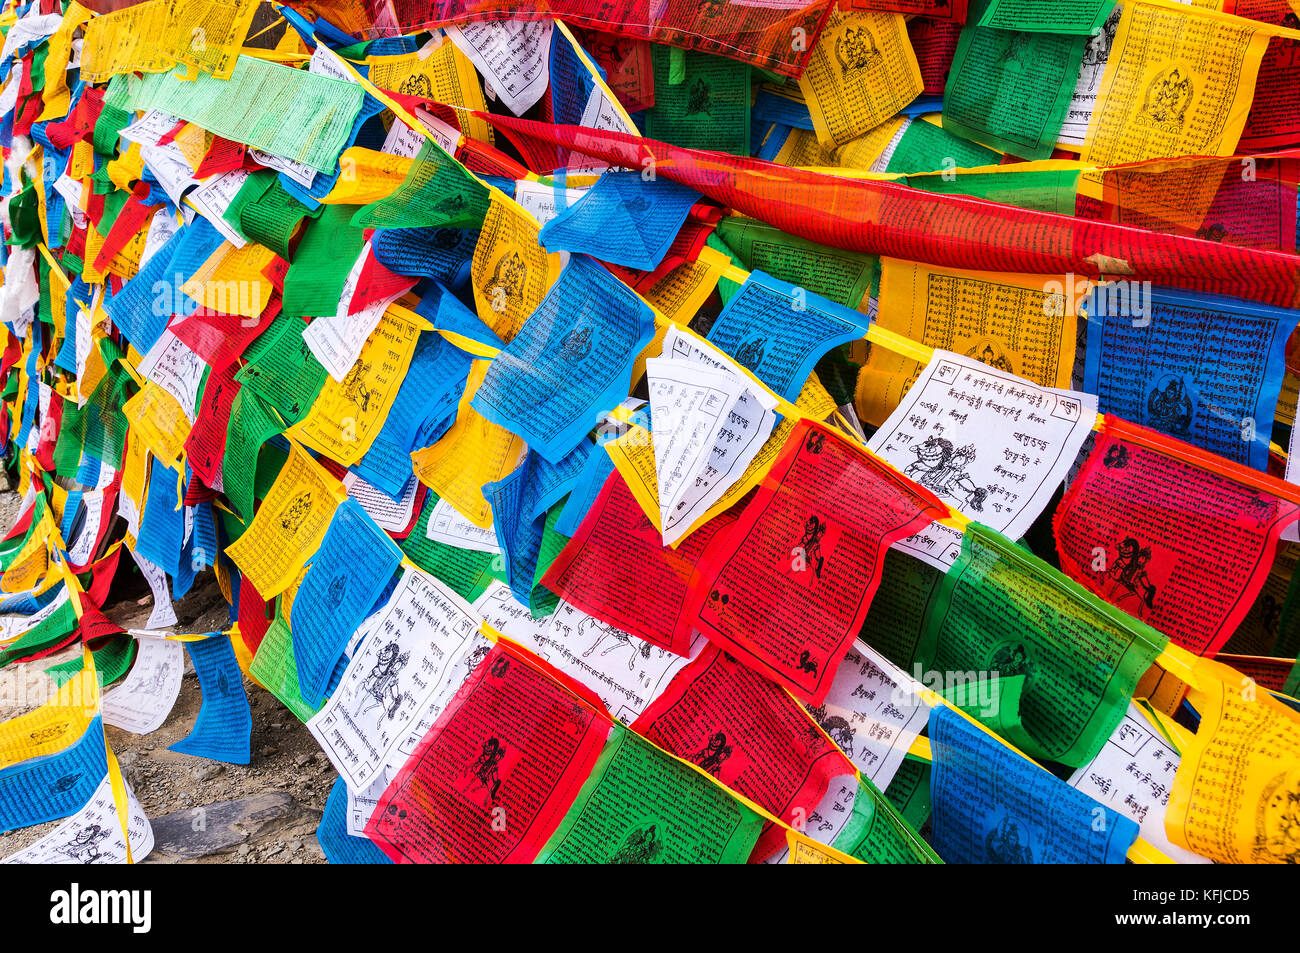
{"points": [[262, 812]]}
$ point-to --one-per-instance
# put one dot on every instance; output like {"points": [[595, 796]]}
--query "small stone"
{"points": [[303, 759], [269, 750], [295, 845], [296, 860], [243, 850], [273, 851], [208, 772]]}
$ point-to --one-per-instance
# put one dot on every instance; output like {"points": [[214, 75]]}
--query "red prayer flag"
{"points": [[788, 588], [1173, 535], [617, 569], [734, 724], [512, 745]]}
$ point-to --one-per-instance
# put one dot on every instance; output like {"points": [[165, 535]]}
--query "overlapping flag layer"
{"points": [[699, 432]]}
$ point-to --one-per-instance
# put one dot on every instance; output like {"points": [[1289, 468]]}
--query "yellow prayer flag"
{"points": [[1177, 82], [289, 526], [1022, 324], [861, 73], [347, 416], [805, 850], [1236, 797], [473, 452], [511, 271]]}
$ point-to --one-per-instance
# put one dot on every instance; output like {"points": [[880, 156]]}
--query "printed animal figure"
{"points": [[609, 50], [945, 471], [807, 663], [65, 783], [355, 389], [1167, 99], [1169, 408], [1130, 588], [337, 587], [487, 765], [1116, 457], [1097, 50], [621, 640], [714, 755], [160, 676], [380, 684], [1212, 232], [839, 729], [636, 205], [642, 845], [47, 733], [84, 846]]}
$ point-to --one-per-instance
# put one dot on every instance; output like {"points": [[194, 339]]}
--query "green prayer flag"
{"points": [[1002, 612]]}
